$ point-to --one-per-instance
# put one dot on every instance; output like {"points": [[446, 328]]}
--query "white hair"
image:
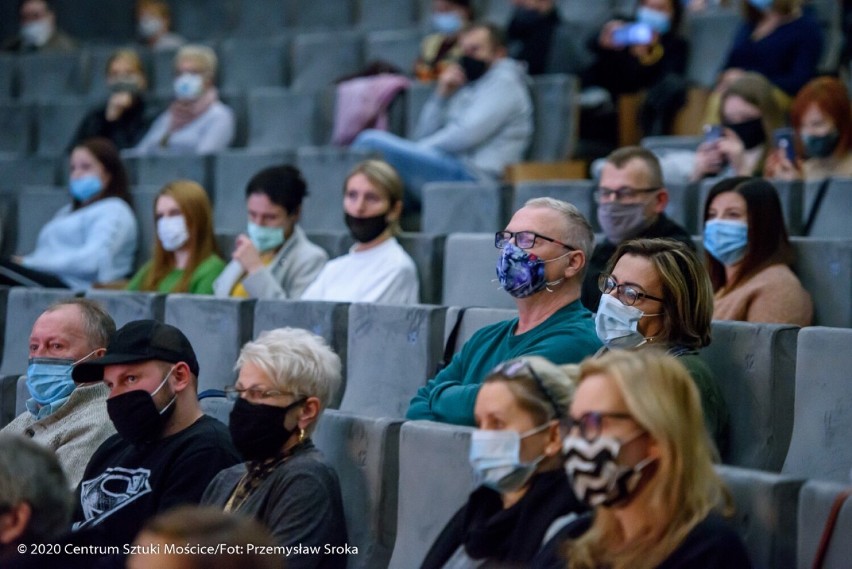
{"points": [[202, 54], [578, 232]]}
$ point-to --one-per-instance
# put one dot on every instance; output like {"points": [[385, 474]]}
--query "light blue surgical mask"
{"points": [[726, 240], [49, 379], [85, 187], [188, 86], [617, 325], [761, 4], [657, 20], [265, 238], [446, 22], [496, 459]]}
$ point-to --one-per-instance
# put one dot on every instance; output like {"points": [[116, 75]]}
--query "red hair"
{"points": [[832, 99]]}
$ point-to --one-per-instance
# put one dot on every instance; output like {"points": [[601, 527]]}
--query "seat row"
{"points": [[787, 389]]}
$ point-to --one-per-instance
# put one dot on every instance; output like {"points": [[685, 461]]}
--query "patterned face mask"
{"points": [[521, 273]]}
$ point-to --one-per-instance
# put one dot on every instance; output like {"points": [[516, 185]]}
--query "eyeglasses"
{"points": [[252, 393], [590, 424], [621, 194], [524, 239], [513, 368], [628, 294]]}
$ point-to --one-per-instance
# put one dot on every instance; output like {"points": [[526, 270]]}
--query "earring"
{"points": [[301, 435]]}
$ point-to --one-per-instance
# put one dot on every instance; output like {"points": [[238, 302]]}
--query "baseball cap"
{"points": [[140, 341]]}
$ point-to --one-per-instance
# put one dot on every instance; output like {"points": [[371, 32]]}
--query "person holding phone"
{"points": [[822, 132]]}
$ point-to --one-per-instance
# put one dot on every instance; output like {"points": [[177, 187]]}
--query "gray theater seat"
{"points": [[325, 168], [683, 205], [710, 36], [320, 58], [217, 407], [578, 192], [766, 506], [232, 171], [217, 328], [435, 479], [17, 171], [259, 61], [203, 19], [398, 44], [260, 17], [472, 320], [329, 320], [376, 15], [56, 123], [470, 207], [789, 193], [824, 266], [50, 74], [470, 277], [365, 453], [820, 445], [815, 502], [24, 306], [280, 119], [309, 14], [21, 396], [671, 142], [8, 72], [415, 97], [144, 200], [16, 134], [36, 206], [126, 306], [831, 219], [392, 351], [556, 114], [569, 45], [754, 365], [160, 169], [162, 72], [427, 252], [335, 243]]}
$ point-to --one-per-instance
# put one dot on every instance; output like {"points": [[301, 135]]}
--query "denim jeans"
{"points": [[416, 164]]}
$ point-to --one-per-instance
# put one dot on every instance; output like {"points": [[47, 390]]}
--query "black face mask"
{"points": [[258, 430], [365, 229], [750, 132], [473, 68], [136, 417]]}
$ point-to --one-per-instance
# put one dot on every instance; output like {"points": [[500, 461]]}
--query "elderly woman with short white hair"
{"points": [[196, 122], [286, 378]]}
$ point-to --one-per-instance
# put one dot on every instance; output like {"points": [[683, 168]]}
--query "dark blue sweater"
{"points": [[788, 56]]}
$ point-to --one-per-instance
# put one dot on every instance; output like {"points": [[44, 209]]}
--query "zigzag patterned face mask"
{"points": [[594, 472]]}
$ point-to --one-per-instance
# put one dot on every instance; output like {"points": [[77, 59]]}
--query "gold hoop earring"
{"points": [[301, 435]]}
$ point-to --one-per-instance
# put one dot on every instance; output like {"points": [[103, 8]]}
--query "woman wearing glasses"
{"points": [[638, 454], [657, 293], [516, 454], [287, 377]]}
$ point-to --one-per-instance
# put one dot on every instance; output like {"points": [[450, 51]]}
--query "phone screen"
{"points": [[712, 133], [783, 138]]}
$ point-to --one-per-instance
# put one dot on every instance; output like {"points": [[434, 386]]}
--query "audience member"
{"points": [[155, 23], [441, 48], [749, 255], [126, 115], [523, 492], [196, 122], [71, 420], [638, 453], [543, 259], [822, 119], [287, 378], [477, 121], [184, 257], [38, 32], [206, 527], [632, 199], [530, 33], [166, 450], [749, 115], [91, 240], [656, 292], [35, 502], [778, 41], [377, 268], [653, 58], [274, 259]]}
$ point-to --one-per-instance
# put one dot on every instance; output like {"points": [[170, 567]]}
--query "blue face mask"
{"points": [[86, 187], [446, 22], [520, 273], [658, 21], [726, 240], [761, 4], [495, 457], [265, 238], [49, 379]]}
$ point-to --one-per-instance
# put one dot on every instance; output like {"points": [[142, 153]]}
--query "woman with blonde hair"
{"points": [[184, 258], [637, 452], [377, 268]]}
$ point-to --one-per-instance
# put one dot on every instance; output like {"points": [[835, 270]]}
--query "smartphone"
{"points": [[633, 34], [783, 138], [712, 133]]}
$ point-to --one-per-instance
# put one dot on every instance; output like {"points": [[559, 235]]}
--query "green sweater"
{"points": [[566, 337], [201, 281], [712, 400]]}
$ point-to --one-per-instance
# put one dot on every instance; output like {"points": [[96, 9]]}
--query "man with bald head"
{"points": [[542, 262], [67, 417]]}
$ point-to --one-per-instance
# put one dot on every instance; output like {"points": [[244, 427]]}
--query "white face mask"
{"points": [[36, 33], [150, 26], [172, 232], [188, 86], [617, 325], [496, 459]]}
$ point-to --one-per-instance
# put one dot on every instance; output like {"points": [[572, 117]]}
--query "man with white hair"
{"points": [[544, 251]]}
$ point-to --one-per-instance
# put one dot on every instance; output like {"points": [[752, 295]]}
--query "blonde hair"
{"points": [[201, 54], [661, 396], [756, 90], [195, 207], [547, 396], [384, 178]]}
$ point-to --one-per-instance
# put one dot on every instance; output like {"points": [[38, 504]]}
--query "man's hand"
{"points": [[451, 79]]}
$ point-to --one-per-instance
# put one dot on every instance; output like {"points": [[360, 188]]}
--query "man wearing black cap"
{"points": [[166, 449]]}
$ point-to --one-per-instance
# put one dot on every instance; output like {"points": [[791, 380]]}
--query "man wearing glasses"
{"points": [[631, 203], [542, 264]]}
